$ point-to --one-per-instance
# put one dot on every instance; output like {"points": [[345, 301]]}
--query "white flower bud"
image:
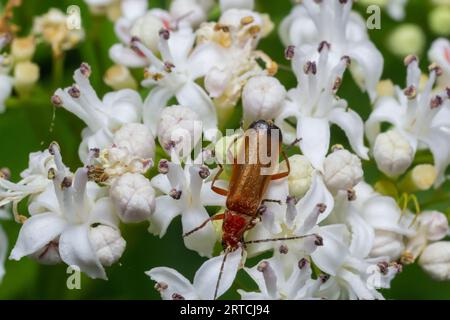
{"points": [[439, 20], [133, 196], [262, 98], [435, 260], [300, 178], [342, 170], [108, 244], [26, 74], [385, 88], [241, 4], [392, 152], [147, 28], [48, 255], [177, 129], [387, 244], [423, 176], [22, 49], [188, 12], [119, 77], [434, 224], [406, 39], [137, 139], [233, 18], [216, 81]]}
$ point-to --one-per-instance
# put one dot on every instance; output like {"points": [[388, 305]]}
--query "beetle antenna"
{"points": [[318, 241], [204, 223], [227, 251]]}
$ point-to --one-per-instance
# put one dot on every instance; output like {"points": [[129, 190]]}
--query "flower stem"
{"points": [[58, 69]]}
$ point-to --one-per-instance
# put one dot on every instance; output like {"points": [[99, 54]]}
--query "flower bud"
{"points": [[240, 4], [434, 224], [392, 152], [48, 255], [262, 98], [299, 179], [177, 129], [406, 39], [420, 178], [435, 260], [233, 18], [188, 12], [108, 244], [387, 244], [137, 139], [216, 81], [147, 28], [26, 74], [342, 170], [385, 88], [133, 196], [439, 20], [224, 151], [22, 49], [119, 77]]}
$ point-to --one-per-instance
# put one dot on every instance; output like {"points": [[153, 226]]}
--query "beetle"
{"points": [[252, 172]]}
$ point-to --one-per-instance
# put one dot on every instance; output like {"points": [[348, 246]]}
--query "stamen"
{"points": [[262, 266], [163, 166], [337, 147], [351, 195], [262, 209], [324, 277], [85, 69], [310, 67], [168, 66], [283, 249], [409, 59], [66, 183], [247, 20], [221, 27], [53, 147], [324, 44], [348, 60], [254, 30], [434, 67], [321, 207], [448, 92], [177, 296], [383, 267], [289, 52], [74, 92], [343, 1], [319, 240], [410, 92], [175, 194], [5, 173], [164, 33], [161, 286], [337, 84], [436, 102], [303, 262], [204, 172], [56, 100], [95, 152], [51, 174]]}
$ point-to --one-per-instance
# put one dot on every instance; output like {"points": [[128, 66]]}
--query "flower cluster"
{"points": [[329, 233]]}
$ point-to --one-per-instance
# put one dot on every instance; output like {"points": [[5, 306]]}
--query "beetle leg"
{"points": [[271, 200], [213, 218], [282, 175], [218, 190]]}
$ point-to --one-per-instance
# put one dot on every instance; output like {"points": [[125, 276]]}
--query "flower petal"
{"points": [[204, 58], [36, 232], [352, 124], [205, 280], [75, 249], [104, 212], [153, 105], [126, 56], [176, 283], [6, 84], [315, 139], [438, 142], [202, 240], [166, 209], [3, 250]]}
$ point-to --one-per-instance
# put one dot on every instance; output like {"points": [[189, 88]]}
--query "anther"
{"points": [[348, 60], [383, 267], [74, 92], [337, 84], [319, 241], [164, 33], [410, 59], [163, 166], [436, 102], [161, 286], [283, 249], [168, 66], [289, 52], [302, 263], [247, 20], [5, 173], [324, 277], [410, 92], [448, 92], [95, 152], [434, 67], [262, 266], [324, 44], [176, 194], [85, 69], [204, 172], [51, 148], [51, 174], [56, 100], [254, 30], [321, 207], [66, 183], [351, 194], [262, 209], [177, 296], [337, 147], [310, 67]]}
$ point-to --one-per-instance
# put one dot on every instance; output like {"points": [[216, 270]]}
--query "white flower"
{"points": [[316, 107], [22, 49], [435, 260], [392, 153], [440, 54], [188, 12], [407, 38], [179, 130], [3, 244], [6, 85], [102, 117], [26, 74], [133, 196], [421, 117], [108, 244], [313, 22], [65, 215], [240, 4], [186, 194], [342, 170], [434, 224], [262, 98], [175, 74], [137, 139], [119, 77], [174, 286], [277, 281], [300, 178]]}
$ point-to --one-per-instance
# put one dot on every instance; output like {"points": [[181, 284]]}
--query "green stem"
{"points": [[58, 70]]}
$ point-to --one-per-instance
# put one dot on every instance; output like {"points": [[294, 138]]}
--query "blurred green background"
{"points": [[25, 127]]}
